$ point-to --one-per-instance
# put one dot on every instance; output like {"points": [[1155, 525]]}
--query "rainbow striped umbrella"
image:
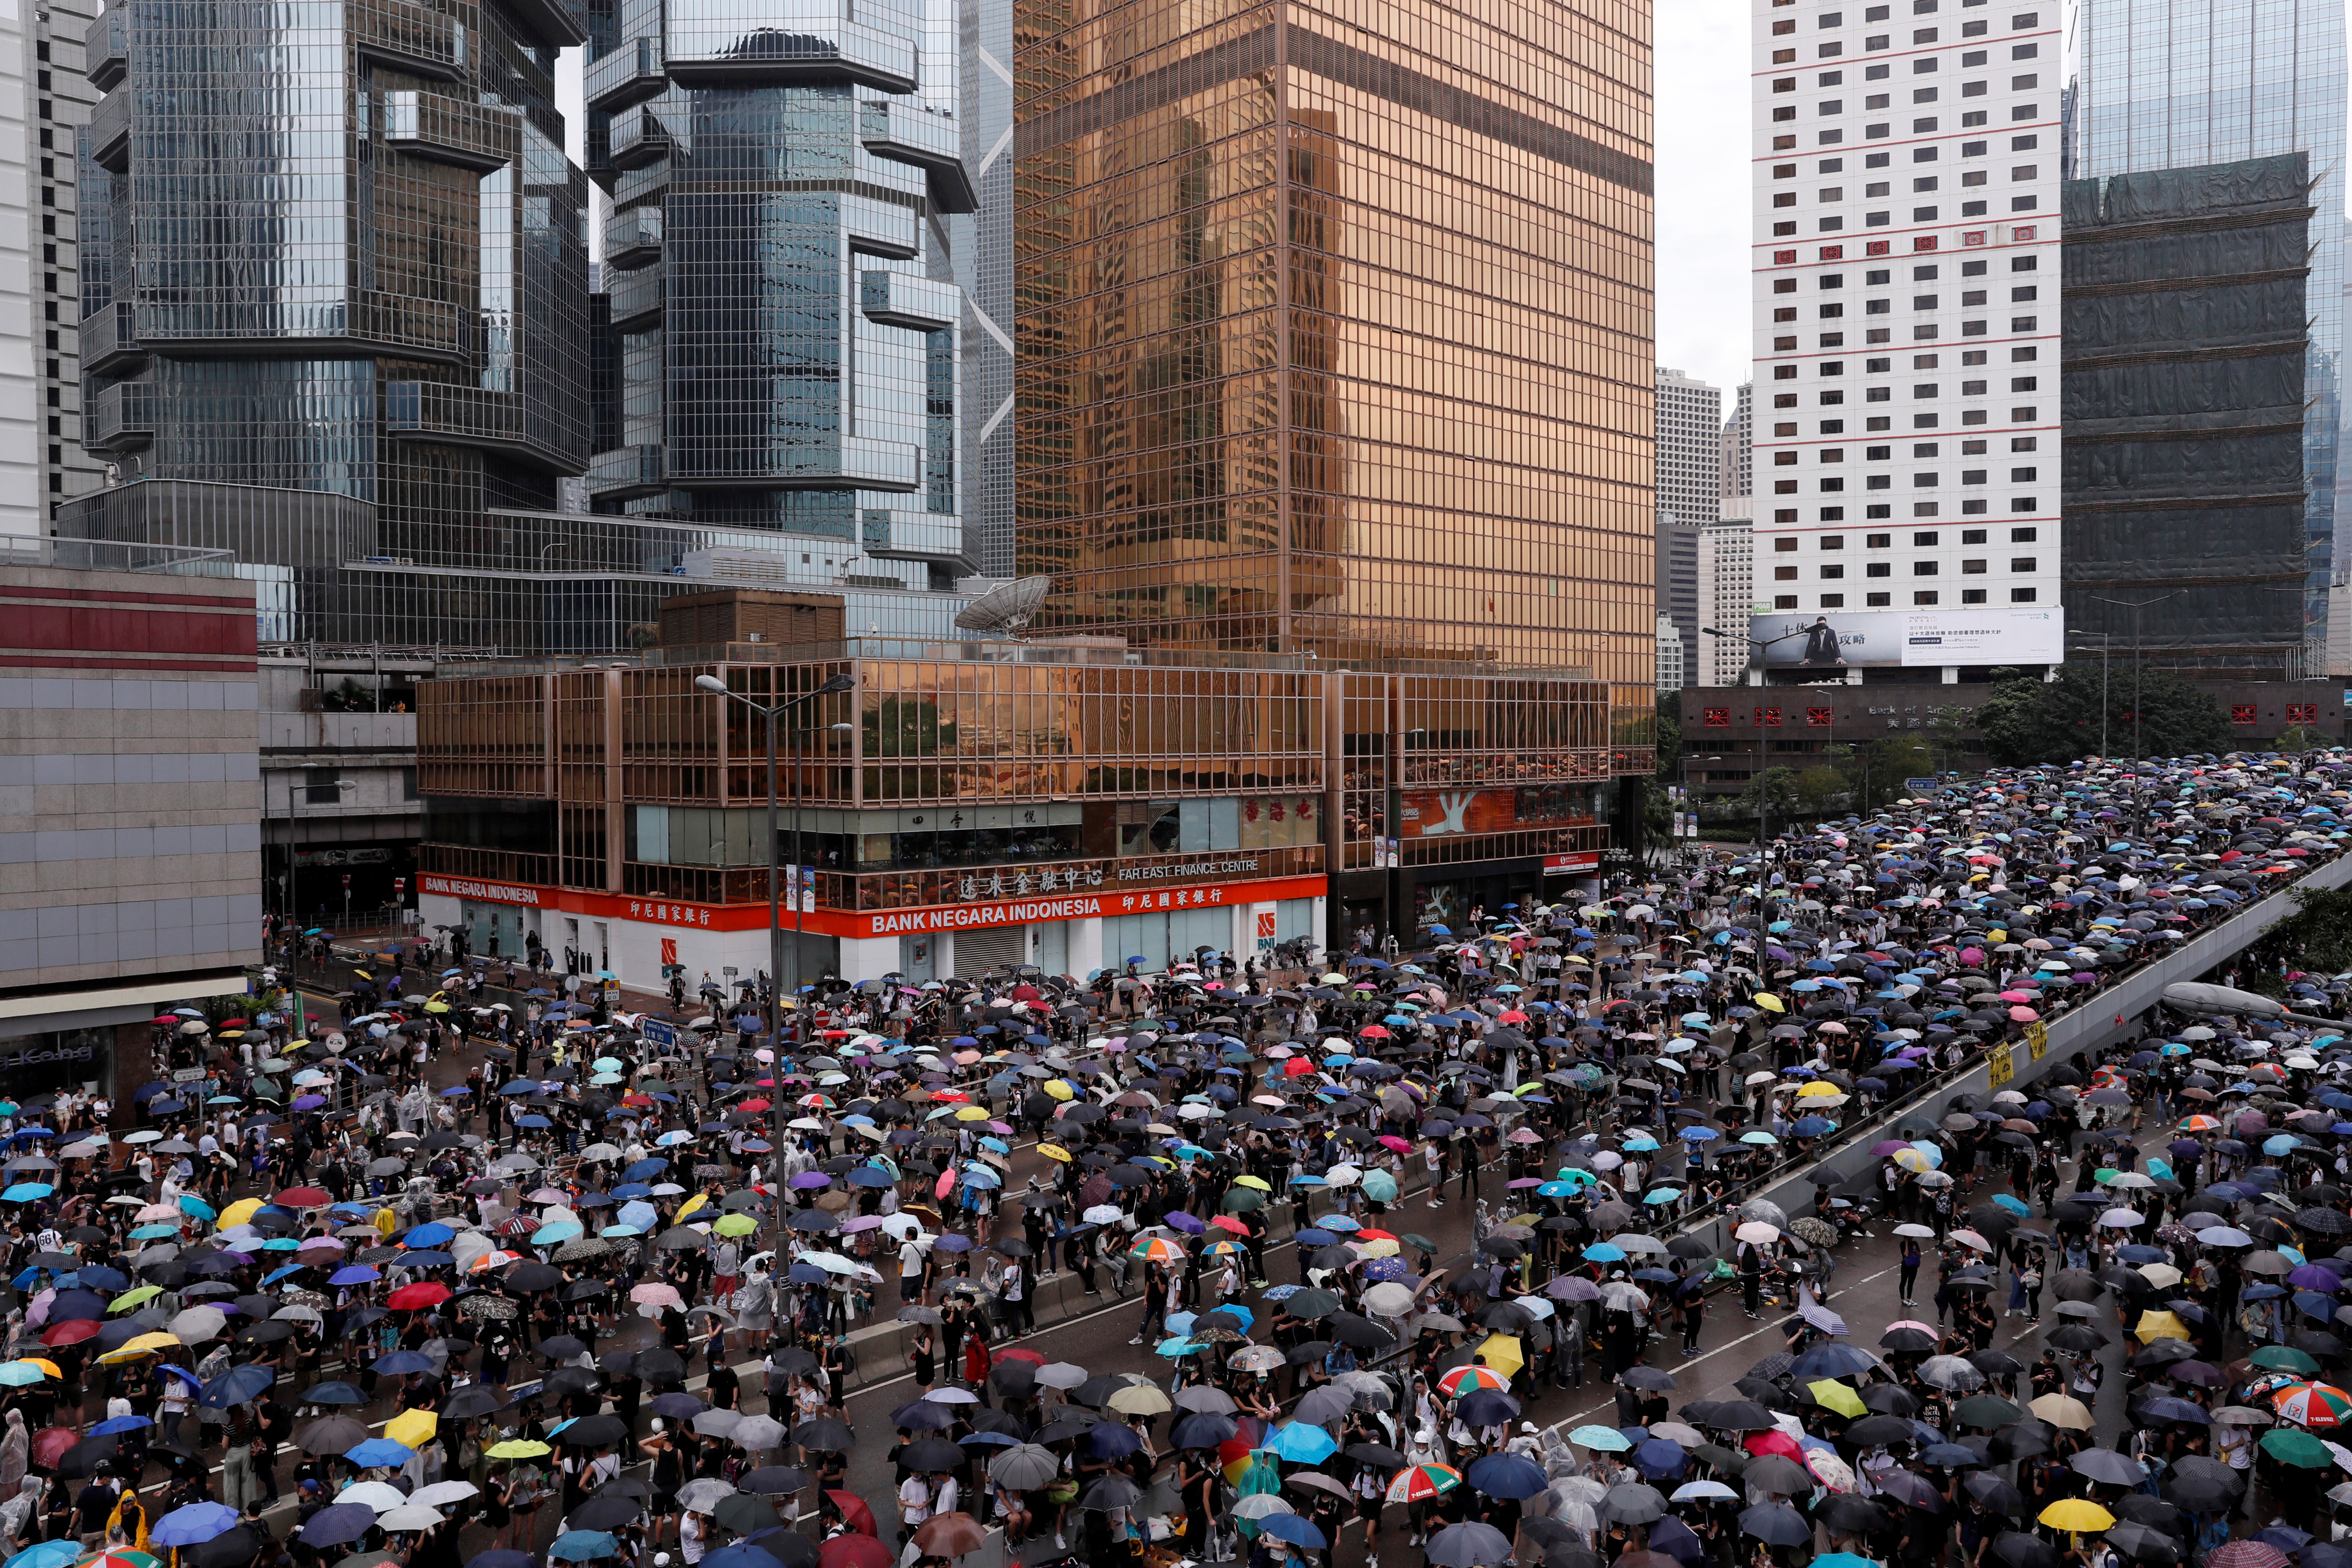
{"points": [[1463, 1379], [1157, 1249], [1419, 1483]]}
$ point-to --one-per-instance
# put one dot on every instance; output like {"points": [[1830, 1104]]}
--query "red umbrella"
{"points": [[49, 1446], [755, 1105], [854, 1511], [70, 1333], [303, 1198], [854, 1551], [414, 1298], [234, 1024], [1773, 1443], [1021, 1354]]}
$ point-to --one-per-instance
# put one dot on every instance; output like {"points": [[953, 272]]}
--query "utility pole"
{"points": [[2135, 606]]}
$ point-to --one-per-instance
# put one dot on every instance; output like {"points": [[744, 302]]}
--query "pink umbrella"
{"points": [[656, 1295], [2023, 1014]]}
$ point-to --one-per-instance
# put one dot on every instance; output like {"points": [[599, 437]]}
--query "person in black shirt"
{"points": [[95, 1501]]}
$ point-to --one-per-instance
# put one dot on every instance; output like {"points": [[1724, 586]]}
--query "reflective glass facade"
{"points": [[1334, 328], [786, 315], [335, 307], [1008, 760], [2169, 84]]}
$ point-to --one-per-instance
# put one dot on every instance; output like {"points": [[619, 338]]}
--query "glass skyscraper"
{"points": [[782, 288], [333, 276], [1335, 329], [2167, 84]]}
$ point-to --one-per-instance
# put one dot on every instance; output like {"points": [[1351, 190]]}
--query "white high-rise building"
{"points": [[1670, 654], [1727, 597], [1737, 478], [1690, 424], [1906, 304]]}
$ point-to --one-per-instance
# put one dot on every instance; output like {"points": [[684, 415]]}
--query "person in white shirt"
{"points": [[914, 1502]]}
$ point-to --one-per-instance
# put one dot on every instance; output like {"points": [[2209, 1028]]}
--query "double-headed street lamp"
{"points": [[1756, 646], [772, 712]]}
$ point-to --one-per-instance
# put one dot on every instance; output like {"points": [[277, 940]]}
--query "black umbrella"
{"points": [[604, 1513], [929, 1454], [1776, 1524], [2012, 1549], [595, 1431]]}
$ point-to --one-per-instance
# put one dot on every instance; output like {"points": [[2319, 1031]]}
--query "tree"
{"points": [[1670, 735], [2316, 937], [2026, 721], [2301, 738], [1777, 786], [1819, 786]]}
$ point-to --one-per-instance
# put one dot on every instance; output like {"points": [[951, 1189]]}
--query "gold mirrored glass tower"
{"points": [[1335, 327]]}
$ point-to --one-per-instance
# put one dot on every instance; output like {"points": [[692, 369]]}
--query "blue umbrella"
{"points": [[1513, 1475], [583, 1546], [1296, 1530], [238, 1385], [196, 1524], [48, 1554], [380, 1451], [395, 1362], [1299, 1443], [119, 1423], [1659, 1458]]}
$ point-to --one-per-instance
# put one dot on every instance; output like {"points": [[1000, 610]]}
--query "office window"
{"points": [[1924, 596], [2021, 596]]}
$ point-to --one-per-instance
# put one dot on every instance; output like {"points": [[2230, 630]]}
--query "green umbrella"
{"points": [[1985, 1410], [1244, 1200], [2290, 1446], [2284, 1358]]}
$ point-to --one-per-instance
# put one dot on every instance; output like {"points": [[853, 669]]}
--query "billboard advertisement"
{"points": [[1845, 639]]}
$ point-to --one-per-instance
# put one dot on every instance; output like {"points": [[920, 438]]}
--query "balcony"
{"points": [[121, 417], [629, 75], [626, 473], [409, 37], [562, 23], [109, 132], [633, 238], [848, 50], [109, 342], [480, 137], [903, 300], [637, 297], [467, 416], [108, 49], [639, 138], [911, 535], [907, 133]]}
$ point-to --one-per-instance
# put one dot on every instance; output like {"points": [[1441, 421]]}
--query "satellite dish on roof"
{"points": [[1005, 607]]}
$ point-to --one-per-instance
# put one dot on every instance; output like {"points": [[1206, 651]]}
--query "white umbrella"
{"points": [[702, 1496], [197, 1325], [411, 1516], [757, 1432], [715, 1423], [441, 1494], [374, 1494]]}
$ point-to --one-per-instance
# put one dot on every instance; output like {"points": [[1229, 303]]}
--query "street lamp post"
{"points": [[1756, 646], [2136, 607], [293, 904], [772, 712]]}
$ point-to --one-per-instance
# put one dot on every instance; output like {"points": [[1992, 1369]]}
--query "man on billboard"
{"points": [[1822, 645]]}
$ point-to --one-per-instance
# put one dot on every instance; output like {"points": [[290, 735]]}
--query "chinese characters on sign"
{"points": [[1022, 883]]}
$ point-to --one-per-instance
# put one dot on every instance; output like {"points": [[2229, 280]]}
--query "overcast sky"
{"points": [[1703, 197]]}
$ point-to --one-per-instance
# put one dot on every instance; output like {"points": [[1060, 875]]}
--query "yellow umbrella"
{"points": [[517, 1448], [1502, 1353], [238, 1213], [1833, 1396], [699, 1200], [2155, 1326], [436, 1006], [971, 1113], [44, 1364], [132, 1297], [1817, 1089], [1912, 1160], [145, 1344], [1057, 1089], [412, 1428], [2062, 1410], [1770, 1002], [2077, 1514], [1258, 1181], [1055, 1152], [1378, 1247], [735, 1225]]}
